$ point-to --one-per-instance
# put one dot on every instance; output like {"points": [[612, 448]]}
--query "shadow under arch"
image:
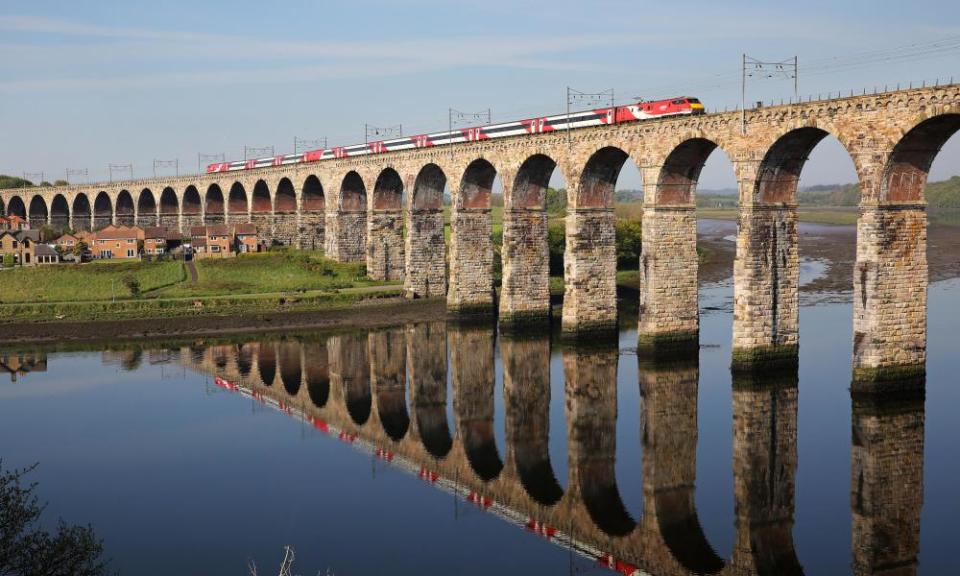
{"points": [[214, 207], [353, 193], [39, 213], [677, 181], [16, 207], [388, 376], [778, 177], [599, 178], [146, 206], [261, 203], [102, 210], [905, 174], [237, 202], [669, 393], [526, 390], [126, 213], [476, 185], [388, 190], [313, 197], [82, 215], [59, 212], [267, 362], [472, 355], [427, 363], [591, 404], [285, 199], [316, 373], [290, 369]]}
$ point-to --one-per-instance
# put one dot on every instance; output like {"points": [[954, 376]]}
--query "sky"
{"points": [[86, 84]]}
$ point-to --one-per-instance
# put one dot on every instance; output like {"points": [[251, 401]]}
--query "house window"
{"points": [[214, 248], [129, 253]]}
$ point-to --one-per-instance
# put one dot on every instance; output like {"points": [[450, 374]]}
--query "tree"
{"points": [[13, 182], [25, 548], [80, 248], [61, 183], [629, 235]]}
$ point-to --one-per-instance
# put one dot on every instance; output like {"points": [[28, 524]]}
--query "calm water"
{"points": [[432, 449]]}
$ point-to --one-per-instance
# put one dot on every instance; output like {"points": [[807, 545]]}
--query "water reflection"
{"points": [[386, 393]]}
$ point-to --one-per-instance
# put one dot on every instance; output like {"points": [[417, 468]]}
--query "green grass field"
{"points": [[277, 271], [817, 215], [103, 280]]}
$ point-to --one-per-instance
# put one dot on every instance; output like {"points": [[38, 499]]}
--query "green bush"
{"points": [[557, 243], [629, 243]]}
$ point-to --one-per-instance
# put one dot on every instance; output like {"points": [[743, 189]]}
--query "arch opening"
{"points": [[286, 198], [388, 191], [16, 207], [59, 213], [261, 200], [39, 213], [125, 209], [214, 211], [531, 182], [353, 193], [82, 216], [170, 206], [779, 174], [146, 208], [476, 186], [598, 180], [237, 202], [428, 189], [102, 211], [313, 197], [678, 178]]}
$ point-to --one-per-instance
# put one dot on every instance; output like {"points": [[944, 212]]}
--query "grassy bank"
{"points": [[841, 216], [102, 280]]}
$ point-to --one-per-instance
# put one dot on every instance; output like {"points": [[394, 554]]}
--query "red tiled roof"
{"points": [[117, 233], [153, 232]]}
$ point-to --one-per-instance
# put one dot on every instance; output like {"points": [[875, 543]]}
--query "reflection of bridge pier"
{"points": [[427, 362], [350, 375], [474, 375], [886, 479], [388, 378], [764, 470], [668, 392]]}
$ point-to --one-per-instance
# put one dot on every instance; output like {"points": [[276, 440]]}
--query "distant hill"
{"points": [[13, 182]]}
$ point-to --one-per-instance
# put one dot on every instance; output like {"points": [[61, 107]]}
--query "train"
{"points": [[640, 110]]}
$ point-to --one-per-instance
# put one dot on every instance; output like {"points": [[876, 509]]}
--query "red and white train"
{"points": [[615, 115]]}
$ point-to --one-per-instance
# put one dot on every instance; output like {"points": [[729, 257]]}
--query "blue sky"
{"points": [[91, 83]]}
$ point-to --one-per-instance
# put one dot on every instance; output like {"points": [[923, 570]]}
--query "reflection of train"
{"points": [[613, 115]]}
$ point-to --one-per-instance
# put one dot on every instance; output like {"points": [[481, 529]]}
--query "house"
{"points": [[13, 223], [45, 254], [117, 242], [155, 240], [17, 248], [214, 241], [245, 238], [66, 242]]}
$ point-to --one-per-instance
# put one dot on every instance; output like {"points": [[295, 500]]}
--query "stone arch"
{"points": [[425, 261], [529, 189], [16, 207], [39, 213], [82, 214], [291, 373], [59, 212], [677, 180], [599, 179], [388, 190], [102, 210], [316, 373], [214, 206], [285, 199], [146, 208], [312, 213], [353, 193], [126, 212], [906, 170], [471, 287], [237, 202], [779, 173], [261, 203], [267, 363]]}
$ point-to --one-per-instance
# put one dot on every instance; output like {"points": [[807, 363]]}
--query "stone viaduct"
{"points": [[386, 210], [388, 391]]}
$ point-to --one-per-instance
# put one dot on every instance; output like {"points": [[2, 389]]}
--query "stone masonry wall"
{"points": [[890, 289], [590, 272], [426, 274], [525, 294], [347, 236], [170, 221], [766, 283], [668, 275], [312, 235], [471, 262], [286, 228], [385, 243]]}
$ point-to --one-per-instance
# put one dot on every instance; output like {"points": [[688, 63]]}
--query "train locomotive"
{"points": [[640, 110]]}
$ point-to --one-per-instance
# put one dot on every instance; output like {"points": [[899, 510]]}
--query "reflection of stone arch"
{"points": [[526, 390], [427, 361], [474, 375], [290, 370], [350, 371], [316, 371], [267, 363], [388, 372], [244, 359]]}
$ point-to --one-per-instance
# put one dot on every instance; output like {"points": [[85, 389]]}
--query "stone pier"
{"points": [[385, 254], [311, 228], [890, 292], [346, 236], [426, 274], [669, 311], [264, 221], [766, 286], [286, 228], [170, 220], [471, 262], [525, 293], [590, 273]]}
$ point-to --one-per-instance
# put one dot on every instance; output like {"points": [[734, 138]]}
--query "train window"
{"points": [[678, 102], [693, 100]]}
